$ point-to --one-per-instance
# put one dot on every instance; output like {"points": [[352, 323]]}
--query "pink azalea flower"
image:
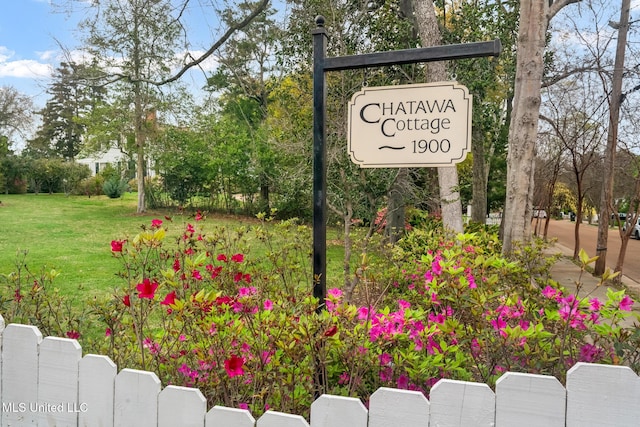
{"points": [[237, 258], [147, 289], [170, 299], [472, 281], [549, 292], [107, 332], [385, 359], [335, 293], [196, 275], [267, 305], [126, 300], [363, 313], [403, 382], [233, 366], [331, 331], [156, 223], [594, 304], [116, 245], [243, 405], [198, 216], [626, 303], [73, 334], [222, 257], [344, 378], [404, 304]]}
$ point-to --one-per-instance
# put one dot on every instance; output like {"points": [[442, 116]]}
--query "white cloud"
{"points": [[25, 68], [22, 68]]}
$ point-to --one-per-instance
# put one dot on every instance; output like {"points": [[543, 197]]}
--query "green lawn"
{"points": [[73, 235]]}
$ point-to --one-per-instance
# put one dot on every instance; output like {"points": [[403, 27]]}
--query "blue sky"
{"points": [[28, 48], [31, 32]]}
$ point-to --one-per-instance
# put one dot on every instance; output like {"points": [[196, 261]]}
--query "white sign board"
{"points": [[415, 125]]}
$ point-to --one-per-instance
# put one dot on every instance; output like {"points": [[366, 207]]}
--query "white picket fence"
{"points": [[47, 382]]}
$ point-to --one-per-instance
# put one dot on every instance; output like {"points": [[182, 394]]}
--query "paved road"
{"points": [[564, 231]]}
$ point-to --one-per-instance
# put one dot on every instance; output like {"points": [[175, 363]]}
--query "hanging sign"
{"points": [[415, 125]]}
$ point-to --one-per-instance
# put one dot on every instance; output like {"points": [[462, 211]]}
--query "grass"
{"points": [[69, 234], [73, 236]]}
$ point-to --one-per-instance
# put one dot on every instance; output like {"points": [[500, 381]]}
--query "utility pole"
{"points": [[612, 140]]}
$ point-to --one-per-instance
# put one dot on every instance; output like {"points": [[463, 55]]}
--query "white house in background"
{"points": [[114, 157]]}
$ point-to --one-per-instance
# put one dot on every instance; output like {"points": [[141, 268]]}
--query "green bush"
{"points": [[91, 186], [114, 187], [236, 320]]}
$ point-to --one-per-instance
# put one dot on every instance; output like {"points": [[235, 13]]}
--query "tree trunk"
{"points": [[612, 142], [450, 203], [396, 212], [534, 21], [524, 123], [480, 176]]}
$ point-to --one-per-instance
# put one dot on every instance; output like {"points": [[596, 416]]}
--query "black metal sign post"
{"points": [[322, 64]]}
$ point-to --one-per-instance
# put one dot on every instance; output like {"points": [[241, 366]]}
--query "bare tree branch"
{"points": [[232, 29], [557, 5]]}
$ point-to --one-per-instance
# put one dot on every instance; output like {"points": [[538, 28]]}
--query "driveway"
{"points": [[563, 230]]}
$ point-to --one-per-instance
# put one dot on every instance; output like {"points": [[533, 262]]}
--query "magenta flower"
{"points": [[403, 304], [107, 332], [233, 366], [385, 359], [170, 299], [73, 334], [594, 304], [403, 382], [363, 313], [147, 289], [267, 305], [156, 223], [116, 245], [335, 293], [126, 300], [549, 292], [237, 258], [626, 303], [222, 257]]}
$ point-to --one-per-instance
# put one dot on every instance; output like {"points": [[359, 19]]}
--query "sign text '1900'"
{"points": [[432, 146]]}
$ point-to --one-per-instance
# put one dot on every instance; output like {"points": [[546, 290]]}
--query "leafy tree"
{"points": [[185, 164], [523, 129], [490, 81], [16, 114], [61, 131], [145, 36], [247, 65]]}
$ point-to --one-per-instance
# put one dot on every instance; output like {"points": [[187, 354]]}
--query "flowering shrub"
{"points": [[229, 312]]}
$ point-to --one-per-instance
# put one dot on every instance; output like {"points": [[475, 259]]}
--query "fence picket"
{"points": [[37, 376], [219, 416], [462, 403], [136, 399], [20, 374], [393, 407], [96, 383], [181, 406], [58, 381], [338, 411], [279, 419], [602, 395], [530, 400], [1, 329]]}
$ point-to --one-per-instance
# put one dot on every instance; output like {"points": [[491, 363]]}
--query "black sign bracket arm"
{"points": [[322, 64]]}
